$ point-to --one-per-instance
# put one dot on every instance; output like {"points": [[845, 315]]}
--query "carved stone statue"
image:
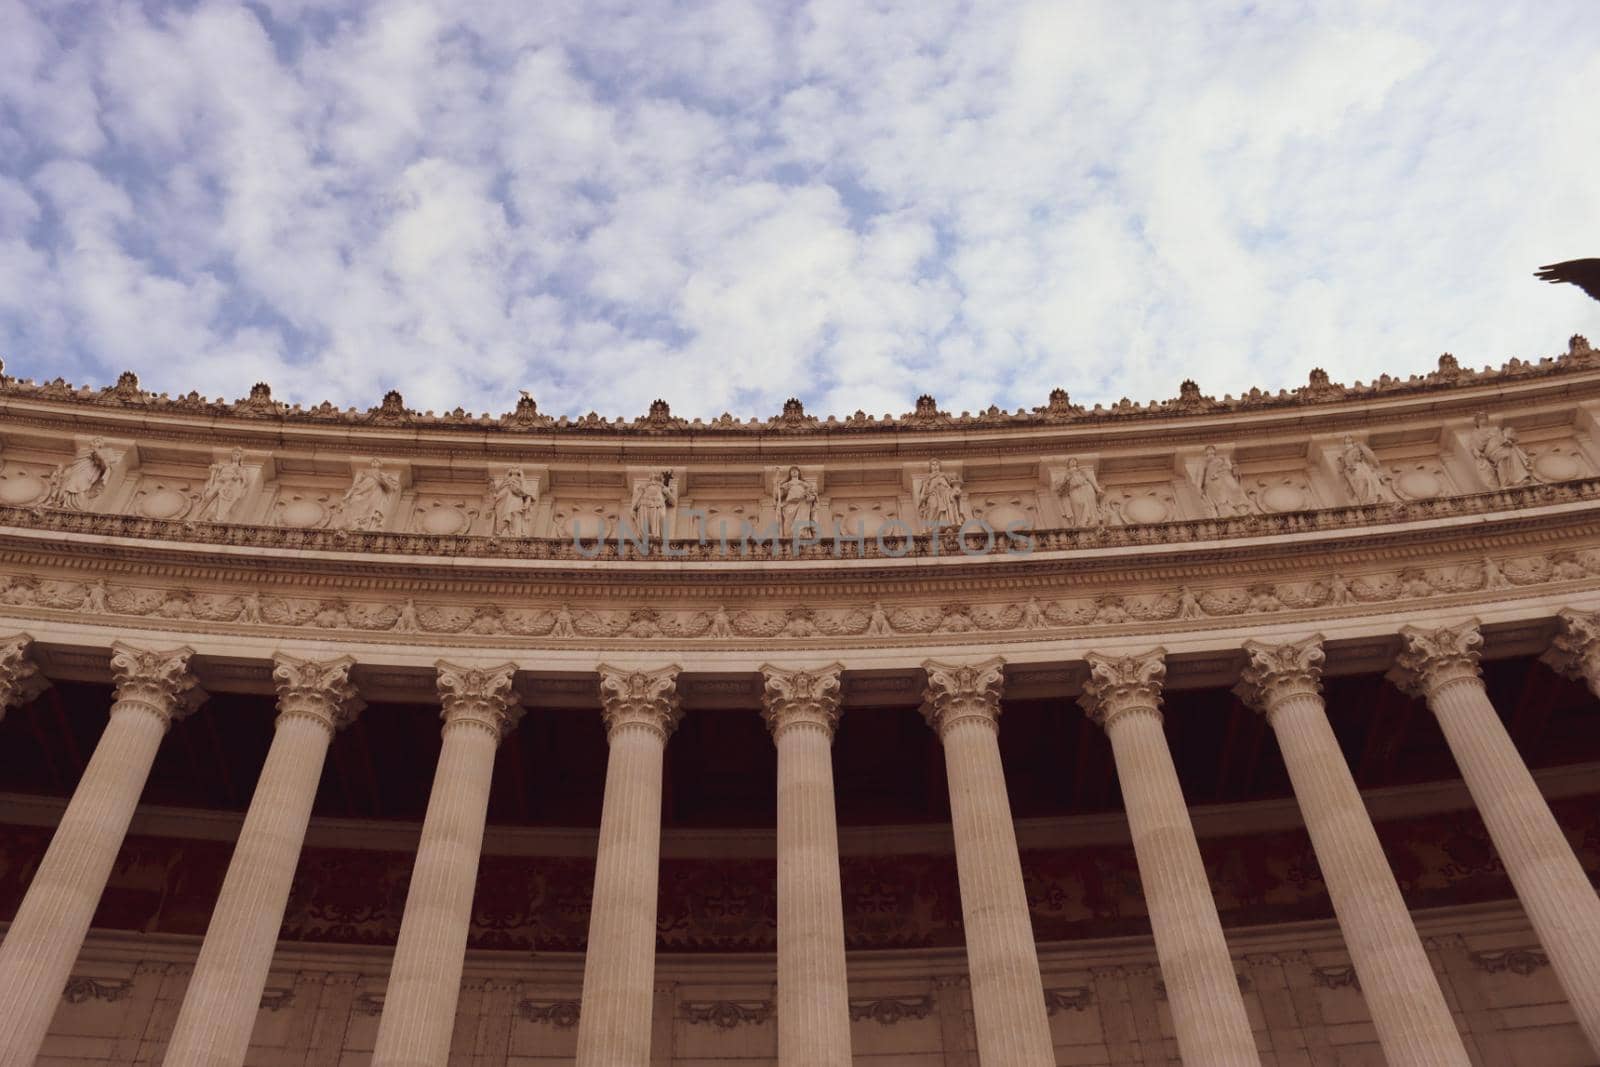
{"points": [[1369, 483], [74, 486], [1082, 495], [1501, 461], [1219, 484], [365, 504], [796, 501], [224, 489], [514, 500], [651, 499], [940, 499]]}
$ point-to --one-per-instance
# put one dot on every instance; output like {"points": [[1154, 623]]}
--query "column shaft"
{"points": [[1007, 991], [53, 919], [1408, 1009], [1555, 892], [1207, 1009], [419, 1004], [619, 970], [813, 995], [219, 1008]]}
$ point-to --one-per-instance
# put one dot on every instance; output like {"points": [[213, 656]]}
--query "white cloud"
{"points": [[724, 204]]}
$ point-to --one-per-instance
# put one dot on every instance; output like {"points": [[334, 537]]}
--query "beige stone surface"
{"points": [[1123, 695], [1408, 1009], [419, 1001], [36, 957]]}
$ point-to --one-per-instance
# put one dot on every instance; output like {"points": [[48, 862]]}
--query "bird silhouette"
{"points": [[1584, 273]]}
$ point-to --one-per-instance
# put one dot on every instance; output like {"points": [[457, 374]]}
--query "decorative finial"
{"points": [[660, 410], [927, 406], [793, 408]]}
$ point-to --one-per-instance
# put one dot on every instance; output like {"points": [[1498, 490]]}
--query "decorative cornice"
{"points": [[20, 680], [801, 698], [640, 698], [1432, 659], [319, 690], [963, 692], [156, 682], [479, 696], [893, 549], [259, 405], [1575, 651], [1274, 673], [1118, 686]]}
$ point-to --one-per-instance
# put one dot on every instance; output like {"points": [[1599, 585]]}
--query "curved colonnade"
{"points": [[172, 547]]}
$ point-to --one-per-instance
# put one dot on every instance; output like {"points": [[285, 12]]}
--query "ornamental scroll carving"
{"points": [[1575, 651], [158, 682], [317, 689], [801, 697], [640, 698], [963, 692], [479, 696], [1274, 673], [1120, 685], [20, 680], [1430, 659]]}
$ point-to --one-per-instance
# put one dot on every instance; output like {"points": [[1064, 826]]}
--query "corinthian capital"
{"points": [[317, 689], [957, 692], [1274, 673], [1431, 659], [640, 698], [1575, 651], [479, 696], [1123, 685], [794, 698], [20, 680], [156, 682]]}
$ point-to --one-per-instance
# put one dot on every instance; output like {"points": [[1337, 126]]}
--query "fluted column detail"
{"points": [[153, 689], [802, 709], [1123, 694], [20, 680], [1414, 1024], [315, 699], [962, 704], [641, 711], [419, 1004], [1575, 650], [1442, 666]]}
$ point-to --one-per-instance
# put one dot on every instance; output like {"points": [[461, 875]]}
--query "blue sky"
{"points": [[725, 204]]}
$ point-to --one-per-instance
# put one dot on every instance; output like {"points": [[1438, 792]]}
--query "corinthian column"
{"points": [[1414, 1025], [20, 680], [315, 699], [419, 1005], [1123, 695], [1575, 651], [802, 709], [962, 704], [1442, 665], [641, 711], [153, 689]]}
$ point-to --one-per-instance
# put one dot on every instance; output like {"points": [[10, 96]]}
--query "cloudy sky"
{"points": [[724, 204]]}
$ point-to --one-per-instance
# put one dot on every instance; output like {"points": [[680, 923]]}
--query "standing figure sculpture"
{"points": [[1219, 484], [1082, 494], [940, 499], [365, 505], [1369, 483], [796, 501], [514, 501], [651, 499], [224, 489], [1500, 459], [74, 486]]}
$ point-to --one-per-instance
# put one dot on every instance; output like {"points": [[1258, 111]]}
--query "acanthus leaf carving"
{"points": [[157, 682], [1120, 685], [1431, 659], [640, 698], [317, 689], [1575, 651], [20, 679], [801, 697], [484, 697], [1275, 673], [958, 693]]}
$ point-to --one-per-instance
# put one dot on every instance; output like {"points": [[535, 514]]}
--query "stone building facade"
{"points": [[1215, 731]]}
